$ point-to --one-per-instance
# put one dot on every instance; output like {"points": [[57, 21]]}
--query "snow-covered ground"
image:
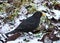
{"points": [[34, 40], [6, 28]]}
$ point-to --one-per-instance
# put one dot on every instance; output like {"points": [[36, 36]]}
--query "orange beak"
{"points": [[43, 14]]}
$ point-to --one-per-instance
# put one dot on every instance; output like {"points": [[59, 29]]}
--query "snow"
{"points": [[21, 39], [57, 13], [6, 27], [41, 8]]}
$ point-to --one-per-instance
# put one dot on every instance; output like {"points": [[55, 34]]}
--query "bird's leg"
{"points": [[30, 34], [27, 35]]}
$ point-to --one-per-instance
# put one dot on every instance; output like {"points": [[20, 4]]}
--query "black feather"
{"points": [[29, 24]]}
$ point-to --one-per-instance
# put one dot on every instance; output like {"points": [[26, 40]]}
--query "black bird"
{"points": [[29, 24]]}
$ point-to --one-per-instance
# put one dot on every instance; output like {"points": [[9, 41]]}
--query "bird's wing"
{"points": [[29, 21], [27, 24]]}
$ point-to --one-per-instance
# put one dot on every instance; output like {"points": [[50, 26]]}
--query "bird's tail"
{"points": [[12, 32]]}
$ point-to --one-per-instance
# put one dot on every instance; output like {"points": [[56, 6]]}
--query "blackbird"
{"points": [[28, 25]]}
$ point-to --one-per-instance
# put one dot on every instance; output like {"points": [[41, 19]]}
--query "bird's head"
{"points": [[38, 14]]}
